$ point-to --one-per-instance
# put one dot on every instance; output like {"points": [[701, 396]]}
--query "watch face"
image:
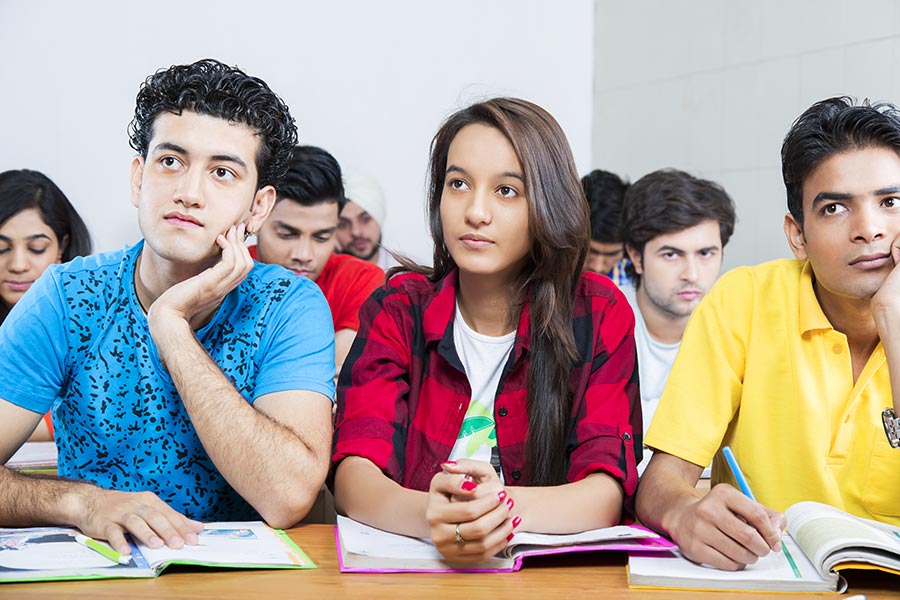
{"points": [[891, 427]]}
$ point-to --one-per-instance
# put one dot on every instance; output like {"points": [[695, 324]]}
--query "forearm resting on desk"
{"points": [[362, 492]]}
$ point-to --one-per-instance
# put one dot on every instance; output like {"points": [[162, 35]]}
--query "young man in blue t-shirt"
{"points": [[186, 383]]}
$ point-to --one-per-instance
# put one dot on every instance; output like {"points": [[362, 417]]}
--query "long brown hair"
{"points": [[559, 223]]}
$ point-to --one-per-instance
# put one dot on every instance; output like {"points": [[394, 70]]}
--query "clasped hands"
{"points": [[470, 515]]}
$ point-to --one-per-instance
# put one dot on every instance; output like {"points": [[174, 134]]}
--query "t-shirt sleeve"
{"points": [[297, 343], [608, 423], [704, 389], [33, 346], [363, 282], [374, 385]]}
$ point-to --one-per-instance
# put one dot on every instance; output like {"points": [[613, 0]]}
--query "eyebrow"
{"points": [[215, 157], [36, 236], [512, 174], [831, 196], [294, 230]]}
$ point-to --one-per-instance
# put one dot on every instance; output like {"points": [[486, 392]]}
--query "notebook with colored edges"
{"points": [[364, 549], [820, 542], [51, 553]]}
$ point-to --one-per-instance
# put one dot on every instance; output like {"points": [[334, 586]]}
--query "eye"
{"points": [[223, 174], [170, 162], [37, 251], [285, 235], [507, 191], [891, 202], [322, 239], [457, 184], [363, 219], [343, 224], [833, 209], [707, 252], [669, 254]]}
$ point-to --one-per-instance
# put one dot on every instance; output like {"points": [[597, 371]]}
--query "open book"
{"points": [[47, 553], [820, 541], [364, 549]]}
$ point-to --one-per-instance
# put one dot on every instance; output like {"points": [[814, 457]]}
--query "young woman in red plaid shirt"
{"points": [[497, 391]]}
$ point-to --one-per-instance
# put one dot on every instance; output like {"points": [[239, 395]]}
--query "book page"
{"points": [[245, 543], [359, 538], [785, 570], [34, 455], [823, 531], [52, 552]]}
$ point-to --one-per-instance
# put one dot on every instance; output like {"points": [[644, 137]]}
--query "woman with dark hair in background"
{"points": [[496, 391], [38, 227]]}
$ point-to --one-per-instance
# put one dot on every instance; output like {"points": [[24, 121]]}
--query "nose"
{"points": [[478, 211], [18, 261], [301, 251], [691, 269], [189, 191], [356, 228], [868, 225]]}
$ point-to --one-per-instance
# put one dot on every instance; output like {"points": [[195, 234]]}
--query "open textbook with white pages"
{"points": [[48, 553], [820, 541], [365, 549]]}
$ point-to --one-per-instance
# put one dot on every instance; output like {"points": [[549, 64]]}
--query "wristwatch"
{"points": [[891, 427]]}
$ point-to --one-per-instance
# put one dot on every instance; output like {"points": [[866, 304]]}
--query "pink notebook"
{"points": [[364, 549]]}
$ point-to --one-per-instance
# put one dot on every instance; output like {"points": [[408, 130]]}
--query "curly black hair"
{"points": [[209, 87]]}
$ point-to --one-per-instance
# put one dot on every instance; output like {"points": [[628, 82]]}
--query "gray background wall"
{"points": [[707, 86], [712, 87], [368, 81]]}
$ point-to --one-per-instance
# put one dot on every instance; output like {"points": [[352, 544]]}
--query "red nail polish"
{"points": [[502, 495], [510, 503], [516, 521], [510, 537], [469, 485]]}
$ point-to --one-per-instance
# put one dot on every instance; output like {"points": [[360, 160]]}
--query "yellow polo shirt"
{"points": [[762, 370]]}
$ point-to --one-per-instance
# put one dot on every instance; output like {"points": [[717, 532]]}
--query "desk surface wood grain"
{"points": [[599, 575]]}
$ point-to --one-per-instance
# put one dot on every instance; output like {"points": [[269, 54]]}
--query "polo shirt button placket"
{"points": [[502, 412], [516, 475]]}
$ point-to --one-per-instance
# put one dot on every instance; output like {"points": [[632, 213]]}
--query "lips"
{"points": [[475, 241], [868, 262], [182, 220], [18, 286], [689, 295]]}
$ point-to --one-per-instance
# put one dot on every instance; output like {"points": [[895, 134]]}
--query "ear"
{"points": [[137, 175], [263, 201], [636, 259], [793, 231]]}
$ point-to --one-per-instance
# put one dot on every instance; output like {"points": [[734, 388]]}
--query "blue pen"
{"points": [[736, 471]]}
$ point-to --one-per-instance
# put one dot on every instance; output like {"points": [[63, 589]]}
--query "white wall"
{"points": [[368, 81], [712, 87]]}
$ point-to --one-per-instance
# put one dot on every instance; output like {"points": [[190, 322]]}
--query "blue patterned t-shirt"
{"points": [[78, 341]]}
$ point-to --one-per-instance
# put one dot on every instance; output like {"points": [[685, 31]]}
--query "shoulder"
{"points": [[598, 293], [775, 276], [344, 265], [275, 282]]}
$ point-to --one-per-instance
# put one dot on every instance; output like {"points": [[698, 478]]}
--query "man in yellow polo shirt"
{"points": [[790, 362]]}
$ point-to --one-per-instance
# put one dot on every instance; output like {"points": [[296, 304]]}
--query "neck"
{"points": [[663, 327], [852, 317], [154, 275], [484, 303]]}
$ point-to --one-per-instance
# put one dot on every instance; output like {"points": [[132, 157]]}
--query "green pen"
{"points": [[102, 549]]}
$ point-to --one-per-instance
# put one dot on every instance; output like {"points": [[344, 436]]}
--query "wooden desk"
{"points": [[595, 575]]}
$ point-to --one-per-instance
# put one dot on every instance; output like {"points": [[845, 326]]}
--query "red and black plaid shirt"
{"points": [[403, 392]]}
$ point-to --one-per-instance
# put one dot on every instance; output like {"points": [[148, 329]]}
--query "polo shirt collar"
{"points": [[811, 315]]}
